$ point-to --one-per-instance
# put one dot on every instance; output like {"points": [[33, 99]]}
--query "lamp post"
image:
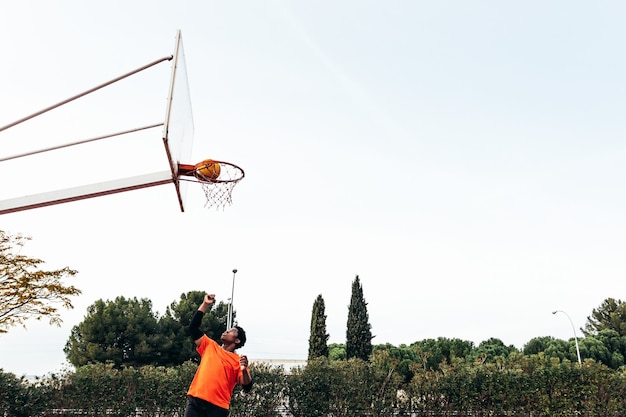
{"points": [[229, 323], [574, 329], [228, 315]]}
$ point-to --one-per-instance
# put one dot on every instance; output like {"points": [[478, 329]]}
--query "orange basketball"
{"points": [[209, 169]]}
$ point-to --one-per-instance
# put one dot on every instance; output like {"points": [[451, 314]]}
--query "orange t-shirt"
{"points": [[217, 374]]}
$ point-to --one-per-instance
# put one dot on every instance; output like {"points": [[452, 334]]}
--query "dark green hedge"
{"points": [[519, 385]]}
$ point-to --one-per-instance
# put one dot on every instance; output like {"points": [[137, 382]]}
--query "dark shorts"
{"points": [[200, 408]]}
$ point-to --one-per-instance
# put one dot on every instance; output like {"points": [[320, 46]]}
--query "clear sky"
{"points": [[464, 158]]}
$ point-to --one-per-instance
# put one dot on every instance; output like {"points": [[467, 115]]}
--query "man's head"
{"points": [[241, 335], [234, 337]]}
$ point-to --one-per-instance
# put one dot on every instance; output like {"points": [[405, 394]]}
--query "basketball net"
{"points": [[218, 191]]}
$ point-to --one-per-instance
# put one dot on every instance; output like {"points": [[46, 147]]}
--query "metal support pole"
{"points": [[47, 109]]}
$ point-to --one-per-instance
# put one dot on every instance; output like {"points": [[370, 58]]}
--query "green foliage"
{"points": [[22, 398], [103, 390], [610, 315], [121, 346], [528, 385], [607, 347], [514, 385], [337, 351], [550, 346], [432, 352], [26, 291], [125, 332], [111, 391], [402, 355], [386, 380], [163, 388], [176, 346], [492, 349], [349, 399], [13, 395], [309, 389], [267, 396], [318, 339], [122, 332], [345, 388], [358, 333], [616, 344]]}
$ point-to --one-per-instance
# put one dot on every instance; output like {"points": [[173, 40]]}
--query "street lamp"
{"points": [[229, 323], [574, 329]]}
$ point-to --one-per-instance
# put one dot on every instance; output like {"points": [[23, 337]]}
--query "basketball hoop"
{"points": [[217, 179]]}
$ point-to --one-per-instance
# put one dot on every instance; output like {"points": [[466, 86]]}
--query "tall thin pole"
{"points": [[230, 306], [228, 316], [574, 329], [67, 145], [54, 106]]}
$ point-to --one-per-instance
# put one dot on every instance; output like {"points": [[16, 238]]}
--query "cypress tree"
{"points": [[358, 334], [318, 339]]}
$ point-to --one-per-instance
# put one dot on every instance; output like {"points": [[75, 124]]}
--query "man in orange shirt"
{"points": [[219, 371]]}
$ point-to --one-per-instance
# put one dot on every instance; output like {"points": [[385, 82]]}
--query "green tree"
{"points": [[358, 333], [175, 345], [537, 345], [310, 388], [123, 332], [610, 315], [550, 347], [616, 344], [26, 291], [318, 339], [428, 353], [337, 352], [11, 393], [454, 348], [386, 380], [491, 349], [607, 347], [404, 355], [432, 352]]}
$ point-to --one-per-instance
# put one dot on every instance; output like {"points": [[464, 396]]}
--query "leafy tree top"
{"points": [[610, 315], [358, 333], [26, 291], [318, 339], [125, 332]]}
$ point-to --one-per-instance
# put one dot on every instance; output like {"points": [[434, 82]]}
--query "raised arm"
{"points": [[196, 320]]}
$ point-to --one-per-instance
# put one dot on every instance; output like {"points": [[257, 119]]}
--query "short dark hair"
{"points": [[241, 335]]}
